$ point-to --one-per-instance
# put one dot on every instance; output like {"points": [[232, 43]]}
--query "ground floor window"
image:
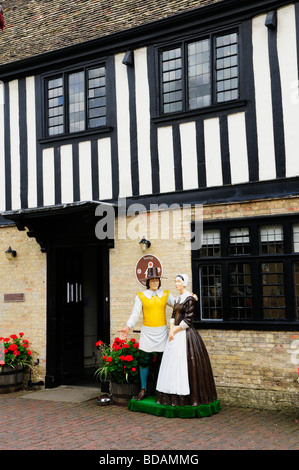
{"points": [[248, 271]]}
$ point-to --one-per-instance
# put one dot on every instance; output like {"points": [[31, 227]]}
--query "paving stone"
{"points": [[54, 425]]}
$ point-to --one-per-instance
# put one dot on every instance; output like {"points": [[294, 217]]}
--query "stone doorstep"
{"points": [[63, 393]]}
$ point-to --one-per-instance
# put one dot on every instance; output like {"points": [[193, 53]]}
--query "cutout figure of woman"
{"points": [[185, 375]]}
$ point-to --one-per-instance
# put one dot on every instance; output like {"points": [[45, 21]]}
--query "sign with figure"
{"points": [[142, 265]]}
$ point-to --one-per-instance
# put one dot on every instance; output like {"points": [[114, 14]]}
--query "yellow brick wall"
{"points": [[254, 367], [26, 274], [172, 252], [251, 368]]}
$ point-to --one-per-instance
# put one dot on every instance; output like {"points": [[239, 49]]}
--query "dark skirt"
{"points": [[200, 374]]}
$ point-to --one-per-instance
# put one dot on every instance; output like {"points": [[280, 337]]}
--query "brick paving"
{"points": [[46, 425]]}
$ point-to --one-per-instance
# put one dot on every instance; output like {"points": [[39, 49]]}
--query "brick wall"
{"points": [[167, 243], [254, 368], [251, 368], [26, 274]]}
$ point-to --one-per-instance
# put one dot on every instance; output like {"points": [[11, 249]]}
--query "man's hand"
{"points": [[124, 333]]}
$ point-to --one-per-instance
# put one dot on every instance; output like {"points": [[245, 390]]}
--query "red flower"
{"points": [[136, 345], [21, 334], [99, 343], [6, 340], [13, 336], [28, 352], [12, 347], [133, 340], [16, 352], [2, 22], [109, 359], [133, 369], [125, 346]]}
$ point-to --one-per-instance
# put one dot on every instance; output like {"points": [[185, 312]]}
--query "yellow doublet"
{"points": [[154, 309]]}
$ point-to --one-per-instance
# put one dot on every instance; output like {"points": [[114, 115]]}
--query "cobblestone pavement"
{"points": [[45, 425]]}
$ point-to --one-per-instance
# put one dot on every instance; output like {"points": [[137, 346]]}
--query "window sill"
{"points": [[75, 135], [231, 106]]}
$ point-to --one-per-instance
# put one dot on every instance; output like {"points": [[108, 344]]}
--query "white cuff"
{"points": [[184, 325]]}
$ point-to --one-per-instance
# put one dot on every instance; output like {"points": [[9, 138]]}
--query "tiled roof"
{"points": [[37, 26]]}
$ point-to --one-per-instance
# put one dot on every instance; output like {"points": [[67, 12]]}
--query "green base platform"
{"points": [[149, 405]]}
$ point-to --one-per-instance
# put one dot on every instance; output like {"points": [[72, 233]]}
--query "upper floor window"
{"points": [[76, 101], [200, 73]]}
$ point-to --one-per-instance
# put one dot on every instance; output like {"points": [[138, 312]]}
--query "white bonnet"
{"points": [[185, 278]]}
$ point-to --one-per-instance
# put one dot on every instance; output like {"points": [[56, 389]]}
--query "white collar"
{"points": [[151, 293], [183, 297]]}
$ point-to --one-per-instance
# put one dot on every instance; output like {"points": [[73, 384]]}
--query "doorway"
{"points": [[78, 314]]}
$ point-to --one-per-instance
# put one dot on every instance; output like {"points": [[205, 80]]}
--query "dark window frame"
{"points": [[183, 44], [64, 74], [255, 259]]}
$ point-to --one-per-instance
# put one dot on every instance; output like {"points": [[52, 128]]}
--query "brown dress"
{"points": [[200, 375]]}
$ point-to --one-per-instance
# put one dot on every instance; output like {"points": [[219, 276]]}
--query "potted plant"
{"points": [[119, 363], [15, 356]]}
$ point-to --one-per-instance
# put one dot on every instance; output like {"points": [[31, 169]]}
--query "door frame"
{"points": [[54, 372]]}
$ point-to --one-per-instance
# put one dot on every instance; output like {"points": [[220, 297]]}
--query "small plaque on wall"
{"points": [[14, 297]]}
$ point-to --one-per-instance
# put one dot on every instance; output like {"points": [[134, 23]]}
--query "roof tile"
{"points": [[38, 26]]}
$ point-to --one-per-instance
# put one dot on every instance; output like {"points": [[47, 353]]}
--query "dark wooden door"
{"points": [[72, 315]]}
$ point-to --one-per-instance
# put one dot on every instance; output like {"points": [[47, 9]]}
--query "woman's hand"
{"points": [[174, 331], [171, 335]]}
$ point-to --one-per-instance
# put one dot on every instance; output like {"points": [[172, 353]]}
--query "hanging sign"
{"points": [[142, 265]]}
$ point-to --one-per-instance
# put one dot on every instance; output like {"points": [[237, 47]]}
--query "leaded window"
{"points": [[296, 284], [76, 101], [200, 73], [248, 271], [240, 291]]}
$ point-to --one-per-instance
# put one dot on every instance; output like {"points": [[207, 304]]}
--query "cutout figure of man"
{"points": [[154, 332]]}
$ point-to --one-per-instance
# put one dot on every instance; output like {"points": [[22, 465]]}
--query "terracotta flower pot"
{"points": [[10, 379]]}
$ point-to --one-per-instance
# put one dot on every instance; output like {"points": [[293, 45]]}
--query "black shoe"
{"points": [[141, 395]]}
